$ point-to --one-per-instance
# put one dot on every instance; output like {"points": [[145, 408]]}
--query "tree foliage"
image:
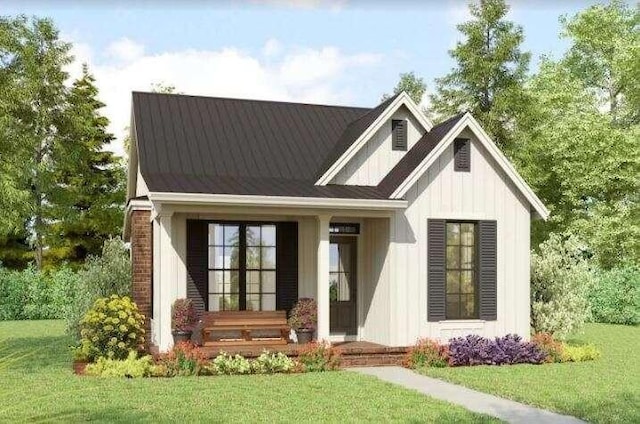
{"points": [[414, 86], [489, 74]]}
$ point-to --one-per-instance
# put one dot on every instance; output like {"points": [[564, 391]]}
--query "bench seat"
{"points": [[250, 326]]}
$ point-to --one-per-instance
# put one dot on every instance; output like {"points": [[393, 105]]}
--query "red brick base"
{"points": [[142, 264]]}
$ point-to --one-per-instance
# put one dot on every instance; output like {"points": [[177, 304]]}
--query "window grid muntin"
{"points": [[473, 295], [261, 269]]}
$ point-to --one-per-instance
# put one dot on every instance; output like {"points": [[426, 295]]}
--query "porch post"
{"points": [[322, 296], [168, 285]]}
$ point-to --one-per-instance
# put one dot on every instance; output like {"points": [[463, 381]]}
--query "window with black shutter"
{"points": [[462, 155], [399, 134]]}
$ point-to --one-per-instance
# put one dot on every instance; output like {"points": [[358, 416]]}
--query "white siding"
{"points": [[485, 193], [377, 158]]}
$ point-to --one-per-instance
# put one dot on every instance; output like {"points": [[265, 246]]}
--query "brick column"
{"points": [[142, 264]]}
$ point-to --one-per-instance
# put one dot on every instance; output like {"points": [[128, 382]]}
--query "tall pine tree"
{"points": [[489, 74], [87, 201]]}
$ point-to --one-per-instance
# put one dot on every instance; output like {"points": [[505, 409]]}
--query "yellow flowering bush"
{"points": [[111, 329]]}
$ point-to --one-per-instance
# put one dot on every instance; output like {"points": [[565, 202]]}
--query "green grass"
{"points": [[606, 390], [37, 384]]}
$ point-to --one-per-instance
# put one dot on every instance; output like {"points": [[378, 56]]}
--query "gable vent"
{"points": [[462, 155], [399, 134]]}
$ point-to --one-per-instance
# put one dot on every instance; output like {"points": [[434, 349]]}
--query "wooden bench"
{"points": [[246, 324]]}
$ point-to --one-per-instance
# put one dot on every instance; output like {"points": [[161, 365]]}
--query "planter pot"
{"points": [[305, 335], [181, 336], [79, 367]]}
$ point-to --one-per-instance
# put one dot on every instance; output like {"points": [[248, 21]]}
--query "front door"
{"points": [[342, 284]]}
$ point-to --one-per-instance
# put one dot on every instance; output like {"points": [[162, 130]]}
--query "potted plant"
{"points": [[183, 320], [80, 359], [303, 319]]}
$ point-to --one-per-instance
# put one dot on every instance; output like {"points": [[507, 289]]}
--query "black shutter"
{"points": [[487, 261], [399, 134], [197, 266], [286, 265], [436, 262], [462, 155]]}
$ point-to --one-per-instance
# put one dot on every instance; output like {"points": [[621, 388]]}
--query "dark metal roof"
{"points": [[416, 155]]}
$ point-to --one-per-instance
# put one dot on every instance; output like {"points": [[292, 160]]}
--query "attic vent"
{"points": [[462, 155], [399, 134]]}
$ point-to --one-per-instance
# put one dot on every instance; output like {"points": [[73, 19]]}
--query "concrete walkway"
{"points": [[507, 410]]}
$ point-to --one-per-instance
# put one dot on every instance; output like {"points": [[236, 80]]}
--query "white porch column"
{"points": [[322, 297], [168, 284]]}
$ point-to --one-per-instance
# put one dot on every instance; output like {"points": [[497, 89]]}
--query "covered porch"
{"points": [[265, 258]]}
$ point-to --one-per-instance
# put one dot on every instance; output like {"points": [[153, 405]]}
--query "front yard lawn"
{"points": [[38, 385], [606, 390]]}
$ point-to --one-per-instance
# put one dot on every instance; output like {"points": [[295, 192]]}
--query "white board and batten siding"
{"points": [[376, 158], [485, 193]]}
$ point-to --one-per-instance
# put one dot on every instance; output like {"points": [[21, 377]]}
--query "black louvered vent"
{"points": [[436, 260], [399, 134], [488, 259], [286, 265], [462, 155], [197, 247]]}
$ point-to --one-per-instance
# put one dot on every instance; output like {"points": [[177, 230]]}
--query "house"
{"points": [[398, 228]]}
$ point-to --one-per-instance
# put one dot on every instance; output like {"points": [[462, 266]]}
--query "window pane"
{"points": [[212, 257], [333, 286], [216, 257], [453, 234], [467, 231], [344, 287], [253, 257], [253, 281], [268, 302], [253, 302], [253, 236], [231, 255], [453, 281], [467, 258], [269, 281], [334, 257], [345, 257], [466, 282], [268, 257], [231, 302], [232, 281], [215, 302], [268, 235], [215, 235], [453, 306], [468, 306], [453, 257], [231, 235], [215, 281]]}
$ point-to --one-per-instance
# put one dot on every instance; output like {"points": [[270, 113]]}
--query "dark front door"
{"points": [[342, 284]]}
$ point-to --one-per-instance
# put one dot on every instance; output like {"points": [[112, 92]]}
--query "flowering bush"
{"points": [[112, 328], [132, 367], [304, 314], [554, 349], [229, 365], [183, 315], [427, 353], [510, 349], [319, 356], [270, 363], [183, 359]]}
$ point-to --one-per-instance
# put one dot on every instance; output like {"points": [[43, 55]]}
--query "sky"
{"points": [[346, 52]]}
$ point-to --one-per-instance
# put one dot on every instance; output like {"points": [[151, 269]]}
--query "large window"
{"points": [[242, 267], [461, 286]]}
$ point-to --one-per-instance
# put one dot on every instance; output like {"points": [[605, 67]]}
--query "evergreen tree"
{"points": [[414, 86], [489, 74], [87, 201]]}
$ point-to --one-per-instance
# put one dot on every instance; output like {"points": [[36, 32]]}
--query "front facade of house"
{"points": [[399, 229]]}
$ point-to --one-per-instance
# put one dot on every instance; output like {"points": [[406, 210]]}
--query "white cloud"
{"points": [[272, 47], [306, 75], [125, 50]]}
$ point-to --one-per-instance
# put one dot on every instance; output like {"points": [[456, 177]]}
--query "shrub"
{"points": [[111, 329], [319, 356], [100, 276], [615, 297], [304, 314], [183, 315], [554, 349], [132, 367], [270, 363], [183, 359], [427, 353], [510, 349], [560, 282], [580, 353], [230, 365]]}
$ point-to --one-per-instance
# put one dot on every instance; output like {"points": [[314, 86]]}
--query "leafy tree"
{"points": [[87, 200], [414, 86], [490, 72], [605, 54]]}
